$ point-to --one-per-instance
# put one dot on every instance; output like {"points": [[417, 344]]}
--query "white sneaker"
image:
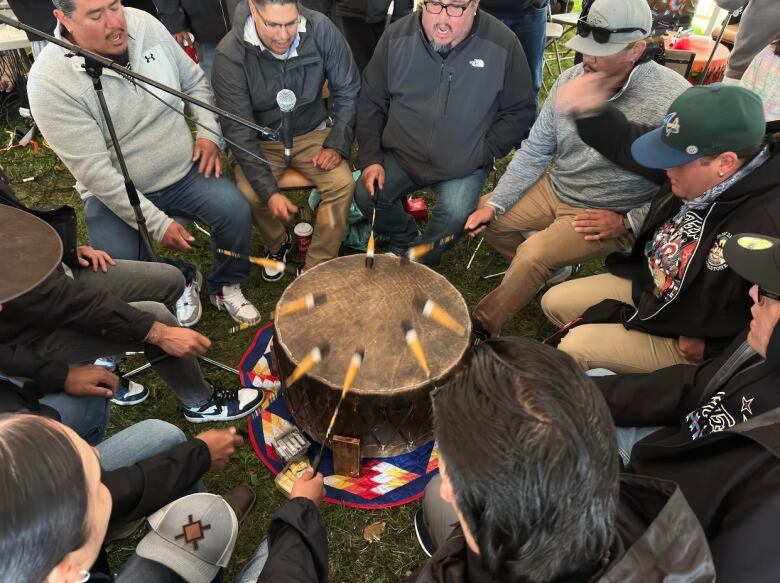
{"points": [[239, 308], [189, 308]]}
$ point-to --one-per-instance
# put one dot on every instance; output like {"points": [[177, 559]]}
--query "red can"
{"points": [[303, 233]]}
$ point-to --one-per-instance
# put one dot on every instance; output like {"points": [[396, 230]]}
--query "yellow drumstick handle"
{"points": [[306, 303], [261, 261], [352, 372], [413, 341], [371, 243], [239, 327], [309, 361], [436, 313]]}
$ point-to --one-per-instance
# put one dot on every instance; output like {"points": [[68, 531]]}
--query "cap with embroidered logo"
{"points": [[703, 121], [756, 258], [193, 536], [630, 19]]}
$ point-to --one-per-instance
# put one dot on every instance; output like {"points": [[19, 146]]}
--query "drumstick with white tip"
{"points": [[352, 372], [261, 261], [304, 304], [436, 313], [370, 246], [309, 362], [413, 341], [418, 251]]}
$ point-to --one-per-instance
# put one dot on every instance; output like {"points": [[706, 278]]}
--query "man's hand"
{"points": [[479, 220], [281, 207], [222, 444], [692, 348], [326, 159], [373, 178], [177, 237], [585, 94], [208, 153], [599, 224], [178, 342], [88, 256], [91, 381], [183, 37], [309, 486]]}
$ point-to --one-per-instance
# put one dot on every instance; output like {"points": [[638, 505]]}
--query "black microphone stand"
{"points": [[94, 65]]}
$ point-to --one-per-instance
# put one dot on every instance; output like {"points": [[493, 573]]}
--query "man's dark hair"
{"points": [[67, 6], [529, 448], [43, 515], [261, 3]]}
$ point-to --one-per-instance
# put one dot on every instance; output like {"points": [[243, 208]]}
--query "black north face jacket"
{"points": [[713, 301], [444, 117]]}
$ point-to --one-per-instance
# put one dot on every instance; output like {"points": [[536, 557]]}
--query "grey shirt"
{"points": [[581, 176]]}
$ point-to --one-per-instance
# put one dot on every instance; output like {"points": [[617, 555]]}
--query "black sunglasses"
{"points": [[762, 293], [601, 35]]}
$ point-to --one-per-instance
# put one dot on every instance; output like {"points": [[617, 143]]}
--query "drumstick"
{"points": [[436, 313], [310, 360], [239, 327], [418, 251], [413, 341], [352, 372], [261, 261], [306, 303], [370, 246]]}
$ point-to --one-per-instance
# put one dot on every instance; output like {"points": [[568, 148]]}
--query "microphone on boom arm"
{"points": [[285, 99]]}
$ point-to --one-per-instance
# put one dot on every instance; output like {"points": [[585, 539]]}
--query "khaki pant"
{"points": [[554, 245], [606, 345], [335, 186]]}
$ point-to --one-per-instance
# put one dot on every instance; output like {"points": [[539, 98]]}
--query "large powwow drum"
{"points": [[388, 408]]}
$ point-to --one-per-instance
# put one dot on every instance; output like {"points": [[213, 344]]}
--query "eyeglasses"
{"points": [[762, 293], [454, 10], [601, 35], [279, 26]]}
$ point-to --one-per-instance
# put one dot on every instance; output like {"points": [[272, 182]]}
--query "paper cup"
{"points": [[303, 233]]}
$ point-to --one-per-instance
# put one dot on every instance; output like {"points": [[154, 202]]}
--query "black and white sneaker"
{"points": [[225, 405], [129, 392], [478, 333], [423, 537], [272, 275]]}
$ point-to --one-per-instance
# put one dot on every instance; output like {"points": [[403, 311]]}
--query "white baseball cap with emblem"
{"points": [[193, 536], [611, 26]]}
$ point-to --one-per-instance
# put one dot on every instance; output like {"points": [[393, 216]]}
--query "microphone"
{"points": [[285, 99]]}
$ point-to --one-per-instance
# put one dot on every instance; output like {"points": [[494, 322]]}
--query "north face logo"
{"points": [[478, 63]]}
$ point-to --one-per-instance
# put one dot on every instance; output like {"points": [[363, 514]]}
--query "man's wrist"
{"points": [[156, 333]]}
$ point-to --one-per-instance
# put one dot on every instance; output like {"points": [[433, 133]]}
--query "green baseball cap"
{"points": [[703, 121]]}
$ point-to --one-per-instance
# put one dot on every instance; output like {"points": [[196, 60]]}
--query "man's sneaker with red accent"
{"points": [[233, 301]]}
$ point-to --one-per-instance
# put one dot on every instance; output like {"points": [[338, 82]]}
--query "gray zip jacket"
{"points": [[155, 140], [444, 117], [246, 79], [581, 176]]}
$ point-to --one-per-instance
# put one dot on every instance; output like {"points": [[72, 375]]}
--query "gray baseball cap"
{"points": [[193, 536], [632, 18]]}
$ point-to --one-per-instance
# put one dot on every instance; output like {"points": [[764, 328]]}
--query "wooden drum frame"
{"points": [[388, 408]]}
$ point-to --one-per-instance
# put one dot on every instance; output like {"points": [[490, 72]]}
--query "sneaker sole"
{"points": [[131, 403], [199, 311], [232, 418]]}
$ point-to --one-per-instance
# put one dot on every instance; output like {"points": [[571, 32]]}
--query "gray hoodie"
{"points": [[155, 140]]}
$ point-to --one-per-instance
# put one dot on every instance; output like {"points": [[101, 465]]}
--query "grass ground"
{"points": [[42, 180]]}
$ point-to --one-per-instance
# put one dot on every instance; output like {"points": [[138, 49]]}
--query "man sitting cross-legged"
{"points": [[529, 473]]}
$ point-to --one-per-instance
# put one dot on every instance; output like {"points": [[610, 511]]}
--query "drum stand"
{"points": [[715, 47]]}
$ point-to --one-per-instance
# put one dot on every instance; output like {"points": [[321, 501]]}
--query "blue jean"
{"points": [[531, 30], [628, 437], [206, 53], [214, 201], [87, 416], [456, 199]]}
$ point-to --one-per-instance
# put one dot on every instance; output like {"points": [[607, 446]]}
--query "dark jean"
{"points": [[214, 201], [531, 29], [456, 199]]}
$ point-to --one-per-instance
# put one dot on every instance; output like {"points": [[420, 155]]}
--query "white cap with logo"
{"points": [[632, 18]]}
